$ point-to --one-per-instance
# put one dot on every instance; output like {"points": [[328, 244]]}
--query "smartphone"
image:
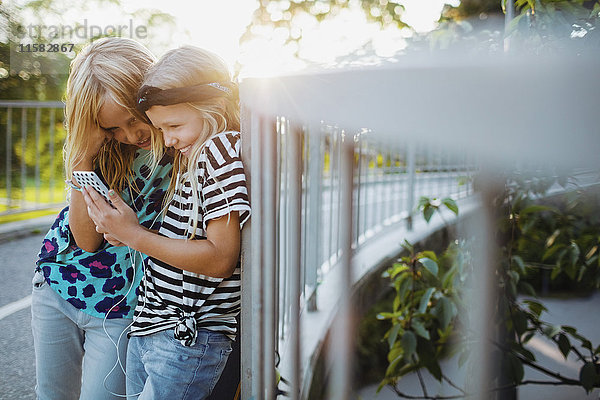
{"points": [[89, 178]]}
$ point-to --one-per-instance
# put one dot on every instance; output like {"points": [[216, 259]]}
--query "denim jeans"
{"points": [[74, 357], [160, 367]]}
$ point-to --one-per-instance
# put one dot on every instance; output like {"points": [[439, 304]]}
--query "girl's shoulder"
{"points": [[231, 136], [224, 143]]}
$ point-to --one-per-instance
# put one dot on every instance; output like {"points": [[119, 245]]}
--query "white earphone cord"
{"points": [[119, 362]]}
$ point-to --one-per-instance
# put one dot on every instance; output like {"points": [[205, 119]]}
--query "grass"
{"points": [[22, 216], [32, 195], [42, 196]]}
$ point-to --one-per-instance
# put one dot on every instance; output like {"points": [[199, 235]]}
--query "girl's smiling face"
{"points": [[180, 124], [122, 126]]}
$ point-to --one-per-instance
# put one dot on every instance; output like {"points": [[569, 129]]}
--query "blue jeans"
{"points": [[74, 358], [160, 367]]}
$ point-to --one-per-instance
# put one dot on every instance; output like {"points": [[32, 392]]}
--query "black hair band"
{"points": [[149, 96]]}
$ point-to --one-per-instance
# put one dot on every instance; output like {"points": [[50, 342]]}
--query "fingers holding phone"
{"points": [[118, 220]]}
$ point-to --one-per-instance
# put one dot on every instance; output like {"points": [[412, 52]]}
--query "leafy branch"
{"points": [[427, 310]]}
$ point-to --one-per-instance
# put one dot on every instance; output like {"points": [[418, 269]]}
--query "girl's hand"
{"points": [[119, 222], [112, 240], [96, 139]]}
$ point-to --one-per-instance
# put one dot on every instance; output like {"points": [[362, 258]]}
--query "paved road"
{"points": [[17, 377]]}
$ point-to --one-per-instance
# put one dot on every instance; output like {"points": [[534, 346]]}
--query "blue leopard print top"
{"points": [[97, 283]]}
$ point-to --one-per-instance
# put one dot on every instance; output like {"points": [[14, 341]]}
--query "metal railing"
{"points": [[300, 182], [323, 187], [31, 176]]}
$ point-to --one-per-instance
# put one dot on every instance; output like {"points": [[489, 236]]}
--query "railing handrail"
{"points": [[32, 104], [472, 98]]}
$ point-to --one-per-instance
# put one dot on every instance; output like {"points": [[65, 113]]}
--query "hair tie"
{"points": [[149, 96]]}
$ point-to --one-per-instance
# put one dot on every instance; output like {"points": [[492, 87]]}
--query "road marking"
{"points": [[15, 306]]}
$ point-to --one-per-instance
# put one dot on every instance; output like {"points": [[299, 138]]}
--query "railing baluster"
{"points": [[365, 185], [360, 203], [278, 220], [23, 150], [305, 211], [341, 346], [314, 211], [389, 179], [9, 158], [252, 274], [284, 311], [269, 165], [332, 158], [380, 176], [37, 155], [51, 151], [410, 195], [294, 232]]}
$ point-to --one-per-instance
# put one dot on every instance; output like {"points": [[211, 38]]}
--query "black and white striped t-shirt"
{"points": [[173, 298]]}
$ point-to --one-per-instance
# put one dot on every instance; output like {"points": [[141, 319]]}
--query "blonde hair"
{"points": [[108, 68], [189, 66]]}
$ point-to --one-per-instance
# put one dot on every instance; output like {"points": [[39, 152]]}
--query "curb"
{"points": [[20, 229]]}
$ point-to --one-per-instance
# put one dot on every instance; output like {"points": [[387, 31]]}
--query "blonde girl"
{"points": [[84, 288], [190, 296]]}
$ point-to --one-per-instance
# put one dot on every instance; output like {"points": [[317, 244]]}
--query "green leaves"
{"points": [[534, 239], [444, 311], [419, 329], [393, 334], [409, 345], [535, 307], [429, 206], [425, 300], [424, 310], [430, 265], [451, 205], [564, 344], [589, 376]]}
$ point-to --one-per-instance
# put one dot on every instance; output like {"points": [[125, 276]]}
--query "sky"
{"points": [[218, 24]]}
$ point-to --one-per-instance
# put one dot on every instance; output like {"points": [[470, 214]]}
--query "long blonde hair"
{"points": [[189, 66], [107, 68]]}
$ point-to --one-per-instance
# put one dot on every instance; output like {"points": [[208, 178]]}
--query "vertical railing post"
{"points": [[8, 158], [23, 150], [411, 172], [279, 248], [51, 151], [332, 162], [339, 194], [294, 234], [389, 182], [343, 330], [359, 191], [252, 301], [269, 243], [284, 244], [315, 171], [484, 294], [37, 155]]}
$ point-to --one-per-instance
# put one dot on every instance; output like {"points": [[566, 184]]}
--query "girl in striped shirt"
{"points": [[189, 297]]}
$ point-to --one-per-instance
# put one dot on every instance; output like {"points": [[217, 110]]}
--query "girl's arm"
{"points": [[81, 225], [216, 256]]}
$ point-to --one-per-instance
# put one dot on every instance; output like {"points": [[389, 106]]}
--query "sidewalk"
{"points": [[18, 229]]}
